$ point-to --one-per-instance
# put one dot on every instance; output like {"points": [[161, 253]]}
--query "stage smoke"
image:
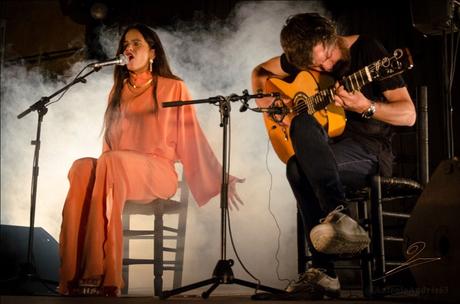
{"points": [[213, 59]]}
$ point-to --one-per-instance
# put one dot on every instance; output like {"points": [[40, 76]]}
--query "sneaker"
{"points": [[315, 284], [339, 234]]}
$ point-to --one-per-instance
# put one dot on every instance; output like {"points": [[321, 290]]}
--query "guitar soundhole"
{"points": [[301, 104]]}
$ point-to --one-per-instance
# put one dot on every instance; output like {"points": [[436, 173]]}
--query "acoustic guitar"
{"points": [[312, 92]]}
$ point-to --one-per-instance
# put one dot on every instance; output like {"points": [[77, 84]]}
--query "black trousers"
{"points": [[318, 172]]}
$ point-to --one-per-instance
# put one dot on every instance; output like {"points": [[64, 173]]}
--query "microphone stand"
{"points": [[222, 273], [28, 270], [448, 65]]}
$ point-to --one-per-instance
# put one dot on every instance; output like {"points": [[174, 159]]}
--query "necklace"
{"points": [[140, 86]]}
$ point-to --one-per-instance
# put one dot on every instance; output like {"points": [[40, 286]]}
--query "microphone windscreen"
{"points": [[123, 59]]}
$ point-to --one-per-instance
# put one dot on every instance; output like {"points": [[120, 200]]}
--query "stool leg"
{"points": [[366, 266], [377, 232]]}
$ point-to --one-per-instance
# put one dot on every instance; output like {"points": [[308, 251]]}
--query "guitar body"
{"points": [[279, 137], [332, 118]]}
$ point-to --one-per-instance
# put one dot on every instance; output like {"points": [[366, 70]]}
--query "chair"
{"points": [[370, 201], [160, 232]]}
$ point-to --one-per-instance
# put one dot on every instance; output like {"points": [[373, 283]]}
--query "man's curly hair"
{"points": [[301, 33]]}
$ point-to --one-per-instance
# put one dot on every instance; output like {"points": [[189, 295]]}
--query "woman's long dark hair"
{"points": [[160, 67]]}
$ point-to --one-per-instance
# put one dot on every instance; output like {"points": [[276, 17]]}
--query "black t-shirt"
{"points": [[374, 135]]}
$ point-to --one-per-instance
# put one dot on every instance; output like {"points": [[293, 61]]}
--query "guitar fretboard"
{"points": [[353, 82]]}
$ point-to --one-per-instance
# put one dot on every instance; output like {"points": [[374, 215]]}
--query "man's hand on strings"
{"points": [[351, 101]]}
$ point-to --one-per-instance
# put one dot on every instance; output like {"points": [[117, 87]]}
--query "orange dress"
{"points": [[139, 165]]}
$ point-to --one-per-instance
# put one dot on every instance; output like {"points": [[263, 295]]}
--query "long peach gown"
{"points": [[139, 165]]}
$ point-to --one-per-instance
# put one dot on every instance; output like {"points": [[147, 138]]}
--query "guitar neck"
{"points": [[357, 80]]}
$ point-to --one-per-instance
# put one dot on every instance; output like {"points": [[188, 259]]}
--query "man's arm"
{"points": [[260, 74], [399, 110], [263, 71]]}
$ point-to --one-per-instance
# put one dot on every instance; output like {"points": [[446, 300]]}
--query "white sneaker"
{"points": [[339, 234], [315, 284]]}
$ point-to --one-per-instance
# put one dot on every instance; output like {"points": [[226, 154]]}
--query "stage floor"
{"points": [[240, 299], [346, 298]]}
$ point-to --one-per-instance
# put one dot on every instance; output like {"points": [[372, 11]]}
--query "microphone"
{"points": [[272, 110], [120, 60], [244, 107]]}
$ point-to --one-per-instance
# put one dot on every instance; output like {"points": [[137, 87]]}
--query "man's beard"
{"points": [[341, 67]]}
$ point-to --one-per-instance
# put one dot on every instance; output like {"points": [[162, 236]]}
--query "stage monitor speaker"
{"points": [[13, 255], [433, 17], [434, 231]]}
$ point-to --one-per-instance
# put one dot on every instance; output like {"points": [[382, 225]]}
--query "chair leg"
{"points": [[158, 255], [180, 248], [125, 275], [125, 267], [377, 232]]}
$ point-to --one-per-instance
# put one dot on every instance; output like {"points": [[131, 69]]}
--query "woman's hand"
{"points": [[234, 199]]}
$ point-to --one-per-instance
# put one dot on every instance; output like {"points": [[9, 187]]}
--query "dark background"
{"points": [[26, 26]]}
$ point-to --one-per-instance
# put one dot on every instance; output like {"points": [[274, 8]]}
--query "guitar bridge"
{"points": [[286, 137]]}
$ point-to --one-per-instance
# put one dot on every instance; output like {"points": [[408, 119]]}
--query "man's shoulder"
{"points": [[369, 48], [367, 41]]}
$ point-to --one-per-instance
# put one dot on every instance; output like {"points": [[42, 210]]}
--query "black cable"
{"points": [[73, 80], [228, 214], [454, 60], [238, 257], [278, 246]]}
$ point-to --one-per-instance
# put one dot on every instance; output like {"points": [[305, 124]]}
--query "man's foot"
{"points": [[315, 284], [339, 234]]}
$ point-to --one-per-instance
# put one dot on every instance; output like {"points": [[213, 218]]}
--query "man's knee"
{"points": [[293, 171], [305, 130], [304, 121]]}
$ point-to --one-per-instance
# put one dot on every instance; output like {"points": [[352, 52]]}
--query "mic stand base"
{"points": [[222, 274], [28, 282]]}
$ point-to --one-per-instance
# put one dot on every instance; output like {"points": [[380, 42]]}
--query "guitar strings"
{"points": [[314, 103]]}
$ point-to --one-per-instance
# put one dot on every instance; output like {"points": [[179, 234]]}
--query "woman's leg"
{"points": [[74, 220], [120, 175]]}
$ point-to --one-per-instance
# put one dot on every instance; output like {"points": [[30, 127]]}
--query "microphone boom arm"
{"points": [[43, 102], [244, 98]]}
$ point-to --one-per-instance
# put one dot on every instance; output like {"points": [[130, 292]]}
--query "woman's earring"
{"points": [[151, 64]]}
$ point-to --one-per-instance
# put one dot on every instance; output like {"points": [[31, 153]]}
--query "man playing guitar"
{"points": [[320, 165]]}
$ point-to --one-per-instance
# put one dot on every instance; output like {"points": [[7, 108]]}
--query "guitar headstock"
{"points": [[391, 66]]}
